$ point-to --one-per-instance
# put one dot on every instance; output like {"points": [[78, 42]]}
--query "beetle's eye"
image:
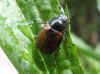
{"points": [[64, 21]]}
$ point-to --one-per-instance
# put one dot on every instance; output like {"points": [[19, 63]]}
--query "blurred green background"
{"points": [[16, 36], [85, 23]]}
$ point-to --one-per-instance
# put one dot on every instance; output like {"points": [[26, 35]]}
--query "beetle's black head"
{"points": [[59, 23]]}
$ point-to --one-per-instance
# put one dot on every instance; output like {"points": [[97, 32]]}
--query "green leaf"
{"points": [[18, 41], [18, 48], [85, 48]]}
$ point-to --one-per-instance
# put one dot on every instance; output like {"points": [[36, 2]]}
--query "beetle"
{"points": [[51, 35]]}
